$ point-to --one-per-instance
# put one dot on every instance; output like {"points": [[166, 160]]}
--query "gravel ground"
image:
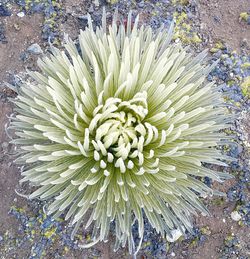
{"points": [[28, 27]]}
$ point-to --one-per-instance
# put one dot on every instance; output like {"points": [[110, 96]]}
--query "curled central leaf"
{"points": [[120, 134], [120, 131]]}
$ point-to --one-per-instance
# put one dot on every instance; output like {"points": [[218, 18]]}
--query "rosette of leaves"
{"points": [[120, 130]]}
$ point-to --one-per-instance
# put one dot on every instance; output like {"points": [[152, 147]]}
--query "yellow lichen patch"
{"points": [[245, 86], [183, 29], [50, 232], [214, 50], [217, 46], [112, 1], [244, 16], [182, 2], [245, 65]]}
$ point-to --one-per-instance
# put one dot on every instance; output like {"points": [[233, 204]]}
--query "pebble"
{"points": [[141, 4], [176, 234], [5, 146], [91, 9], [24, 56], [1, 238], [96, 3], [83, 17], [35, 49], [235, 215], [16, 26], [38, 7], [21, 14]]}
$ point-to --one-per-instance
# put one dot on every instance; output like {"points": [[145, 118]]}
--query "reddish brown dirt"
{"points": [[20, 34], [219, 226], [212, 247], [9, 176], [220, 21]]}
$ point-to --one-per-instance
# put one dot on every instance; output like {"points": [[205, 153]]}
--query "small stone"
{"points": [[38, 7], [21, 14], [1, 238], [172, 254], [235, 216], [96, 3], [5, 146], [35, 49], [16, 26], [24, 56], [91, 9], [141, 4], [176, 234], [202, 26], [83, 17]]}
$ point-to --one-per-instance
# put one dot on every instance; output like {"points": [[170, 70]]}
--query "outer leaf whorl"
{"points": [[121, 130]]}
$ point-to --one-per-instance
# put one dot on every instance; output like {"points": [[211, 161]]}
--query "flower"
{"points": [[120, 130]]}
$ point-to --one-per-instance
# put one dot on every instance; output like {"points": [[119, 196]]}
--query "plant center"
{"points": [[120, 134]]}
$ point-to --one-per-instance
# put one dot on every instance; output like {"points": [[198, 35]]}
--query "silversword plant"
{"points": [[119, 131]]}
